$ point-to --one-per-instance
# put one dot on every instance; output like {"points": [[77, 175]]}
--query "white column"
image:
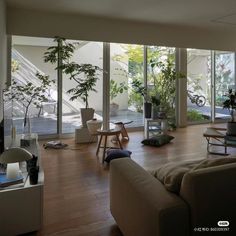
{"points": [[181, 91], [106, 85]]}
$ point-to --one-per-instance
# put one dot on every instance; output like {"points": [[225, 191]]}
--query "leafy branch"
{"points": [[29, 94], [85, 75]]}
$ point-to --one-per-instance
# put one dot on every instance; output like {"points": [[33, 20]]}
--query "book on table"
{"points": [[5, 182]]}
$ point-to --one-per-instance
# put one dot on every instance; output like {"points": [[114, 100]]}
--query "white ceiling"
{"points": [[197, 13]]}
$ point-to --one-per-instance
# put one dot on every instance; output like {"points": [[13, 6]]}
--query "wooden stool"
{"points": [[121, 126], [106, 133]]}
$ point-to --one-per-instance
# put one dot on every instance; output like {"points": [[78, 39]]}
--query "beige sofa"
{"points": [[142, 206]]}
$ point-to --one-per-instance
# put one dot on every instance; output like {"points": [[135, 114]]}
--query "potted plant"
{"points": [[85, 75], [155, 106], [115, 90], [140, 89], [230, 104], [29, 94]]}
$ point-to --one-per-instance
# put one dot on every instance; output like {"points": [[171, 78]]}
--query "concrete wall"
{"points": [[49, 24], [3, 52]]}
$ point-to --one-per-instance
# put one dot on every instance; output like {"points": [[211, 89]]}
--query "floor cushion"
{"points": [[158, 141], [117, 153]]}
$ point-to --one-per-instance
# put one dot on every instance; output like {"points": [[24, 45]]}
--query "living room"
{"points": [[201, 46]]}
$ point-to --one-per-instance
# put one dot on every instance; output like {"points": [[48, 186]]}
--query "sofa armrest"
{"points": [[141, 205], [211, 196]]}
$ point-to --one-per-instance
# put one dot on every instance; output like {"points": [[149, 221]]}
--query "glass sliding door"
{"points": [[160, 62], [224, 80], [198, 85], [86, 52], [26, 67], [126, 65]]}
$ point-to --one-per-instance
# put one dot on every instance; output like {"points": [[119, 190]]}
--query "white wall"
{"points": [[91, 53], [49, 24], [3, 52]]}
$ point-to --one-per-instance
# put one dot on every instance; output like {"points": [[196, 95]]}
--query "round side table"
{"points": [[106, 133]]}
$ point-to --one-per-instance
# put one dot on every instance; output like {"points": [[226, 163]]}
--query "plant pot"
{"points": [[147, 110], [231, 128], [113, 109], [155, 111], [94, 125], [86, 114]]}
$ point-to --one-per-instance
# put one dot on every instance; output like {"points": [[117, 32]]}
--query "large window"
{"points": [[202, 64], [198, 85], [224, 80], [160, 81], [209, 76], [27, 67], [126, 65], [85, 53]]}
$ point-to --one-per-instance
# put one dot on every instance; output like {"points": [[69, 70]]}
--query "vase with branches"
{"points": [[29, 94]]}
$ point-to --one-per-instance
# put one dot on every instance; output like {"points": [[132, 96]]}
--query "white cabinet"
{"points": [[21, 209]]}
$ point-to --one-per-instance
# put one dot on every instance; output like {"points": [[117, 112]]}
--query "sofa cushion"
{"points": [[211, 162], [171, 174], [158, 141], [117, 153]]}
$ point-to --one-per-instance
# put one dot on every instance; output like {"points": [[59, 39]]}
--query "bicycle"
{"points": [[200, 100]]}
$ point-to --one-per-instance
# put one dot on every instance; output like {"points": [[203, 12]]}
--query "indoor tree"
{"points": [[29, 94], [85, 75]]}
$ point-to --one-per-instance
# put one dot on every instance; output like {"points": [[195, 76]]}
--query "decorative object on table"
{"points": [[55, 144], [115, 90], [116, 153], [230, 104], [31, 162], [12, 157], [158, 141], [140, 89], [33, 174], [29, 95], [85, 75], [28, 140]]}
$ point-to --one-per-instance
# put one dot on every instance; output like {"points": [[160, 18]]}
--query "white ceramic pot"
{"points": [[113, 109], [93, 125], [86, 114]]}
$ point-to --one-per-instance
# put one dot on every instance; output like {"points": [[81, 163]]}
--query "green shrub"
{"points": [[194, 115]]}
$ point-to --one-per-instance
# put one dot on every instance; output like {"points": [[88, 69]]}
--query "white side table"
{"points": [[152, 126]]}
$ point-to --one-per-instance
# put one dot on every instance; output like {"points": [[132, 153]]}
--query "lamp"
{"points": [[12, 157]]}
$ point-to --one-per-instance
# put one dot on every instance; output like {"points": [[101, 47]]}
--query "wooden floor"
{"points": [[76, 193]]}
